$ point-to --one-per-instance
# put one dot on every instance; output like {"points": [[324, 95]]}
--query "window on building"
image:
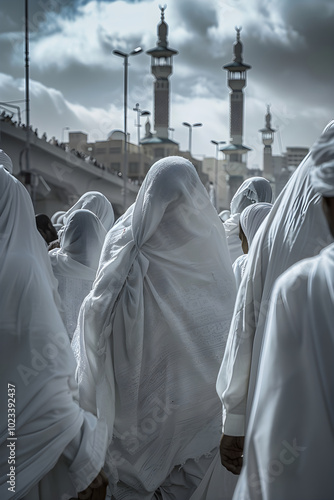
{"points": [[100, 151], [115, 151]]}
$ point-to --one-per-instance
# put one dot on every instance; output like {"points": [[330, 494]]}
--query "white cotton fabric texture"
{"points": [[239, 268], [6, 161], [322, 176], [296, 228], [252, 190], [250, 220], [224, 215], [152, 333], [55, 218], [98, 204], [75, 263], [289, 450], [36, 358]]}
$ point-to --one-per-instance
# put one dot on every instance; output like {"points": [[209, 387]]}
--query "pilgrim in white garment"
{"points": [[95, 202], [151, 336], [250, 221], [295, 229], [289, 450], [75, 263], [49, 447], [252, 190]]}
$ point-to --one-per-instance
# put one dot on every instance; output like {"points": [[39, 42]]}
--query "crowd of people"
{"points": [[172, 354]]}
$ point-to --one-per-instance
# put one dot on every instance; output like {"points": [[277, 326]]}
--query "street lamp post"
{"points": [[216, 143], [190, 127], [125, 56], [139, 114]]}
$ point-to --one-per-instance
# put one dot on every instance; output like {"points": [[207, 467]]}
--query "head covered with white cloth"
{"points": [[76, 261], [251, 220], [152, 332], [97, 203], [251, 191], [6, 161], [252, 217], [36, 363], [296, 228]]}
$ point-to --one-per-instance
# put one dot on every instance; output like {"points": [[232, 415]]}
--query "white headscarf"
{"points": [[5, 161], [251, 219], [75, 262], [322, 176], [56, 216], [98, 204], [252, 190], [296, 228], [152, 332], [35, 354], [224, 215]]}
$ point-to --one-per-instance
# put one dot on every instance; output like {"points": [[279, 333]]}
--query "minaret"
{"points": [[268, 139], [161, 67], [237, 81]]}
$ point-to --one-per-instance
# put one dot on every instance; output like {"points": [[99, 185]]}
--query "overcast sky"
{"points": [[76, 82]]}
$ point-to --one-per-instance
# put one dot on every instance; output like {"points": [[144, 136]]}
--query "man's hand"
{"points": [[231, 452], [97, 490]]}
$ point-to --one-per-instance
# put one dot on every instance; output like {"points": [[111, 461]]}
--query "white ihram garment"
{"points": [[289, 450], [252, 190], [75, 263], [98, 204], [152, 333], [54, 436], [250, 220], [295, 229]]}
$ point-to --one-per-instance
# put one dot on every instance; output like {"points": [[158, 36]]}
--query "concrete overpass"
{"points": [[59, 177]]}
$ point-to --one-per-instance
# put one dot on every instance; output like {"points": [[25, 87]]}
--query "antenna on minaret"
{"points": [[238, 32]]}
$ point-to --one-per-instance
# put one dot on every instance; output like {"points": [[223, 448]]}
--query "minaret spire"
{"points": [[267, 140], [161, 67]]}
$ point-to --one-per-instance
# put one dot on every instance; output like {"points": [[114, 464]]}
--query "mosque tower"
{"points": [[267, 139], [161, 68], [236, 80]]}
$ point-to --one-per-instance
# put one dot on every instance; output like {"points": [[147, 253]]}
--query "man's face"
{"points": [[328, 208]]}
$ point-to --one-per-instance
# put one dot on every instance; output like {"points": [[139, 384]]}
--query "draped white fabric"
{"points": [[152, 333], [251, 219], [295, 229], [6, 161], [56, 216], [252, 190], [289, 452], [76, 261], [322, 176], [98, 204], [37, 360], [239, 268]]}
